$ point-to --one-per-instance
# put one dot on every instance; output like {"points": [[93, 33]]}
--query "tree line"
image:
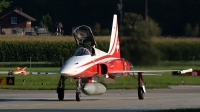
{"points": [[174, 17]]}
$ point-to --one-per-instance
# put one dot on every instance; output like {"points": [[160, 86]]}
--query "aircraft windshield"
{"points": [[82, 51]]}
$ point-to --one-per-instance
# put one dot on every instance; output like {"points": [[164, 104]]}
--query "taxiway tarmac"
{"points": [[112, 100]]}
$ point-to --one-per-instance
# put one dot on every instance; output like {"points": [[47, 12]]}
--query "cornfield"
{"points": [[56, 48], [46, 38]]}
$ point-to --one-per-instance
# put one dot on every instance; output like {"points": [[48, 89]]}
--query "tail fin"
{"points": [[24, 68], [114, 48], [18, 68]]}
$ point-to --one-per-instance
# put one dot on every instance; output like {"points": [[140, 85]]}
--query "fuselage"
{"points": [[18, 72], [87, 65], [84, 65]]}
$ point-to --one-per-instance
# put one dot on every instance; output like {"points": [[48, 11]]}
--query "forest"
{"points": [[172, 16]]}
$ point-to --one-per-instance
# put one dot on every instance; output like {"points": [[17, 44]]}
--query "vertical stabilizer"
{"points": [[114, 48]]}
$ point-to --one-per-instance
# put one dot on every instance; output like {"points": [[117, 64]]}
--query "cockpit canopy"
{"points": [[83, 35], [82, 51]]}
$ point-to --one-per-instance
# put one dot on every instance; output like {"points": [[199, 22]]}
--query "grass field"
{"points": [[49, 81]]}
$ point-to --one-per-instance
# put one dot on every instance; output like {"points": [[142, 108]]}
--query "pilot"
{"points": [[89, 48], [83, 50]]}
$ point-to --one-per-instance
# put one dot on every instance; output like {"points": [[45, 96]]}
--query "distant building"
{"points": [[15, 21]]}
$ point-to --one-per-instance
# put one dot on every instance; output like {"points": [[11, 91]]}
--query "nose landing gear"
{"points": [[78, 89], [61, 87]]}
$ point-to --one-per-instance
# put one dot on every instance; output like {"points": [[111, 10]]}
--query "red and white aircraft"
{"points": [[89, 63], [18, 71]]}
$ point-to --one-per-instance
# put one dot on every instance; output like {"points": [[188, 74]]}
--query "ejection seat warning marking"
{"points": [[7, 80]]}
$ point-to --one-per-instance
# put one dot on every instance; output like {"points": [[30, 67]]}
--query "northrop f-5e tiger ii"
{"points": [[88, 64]]}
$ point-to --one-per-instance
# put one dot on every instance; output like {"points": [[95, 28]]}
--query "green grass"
{"points": [[47, 81], [30, 69]]}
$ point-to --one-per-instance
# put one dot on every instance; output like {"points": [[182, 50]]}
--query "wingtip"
{"points": [[186, 71]]}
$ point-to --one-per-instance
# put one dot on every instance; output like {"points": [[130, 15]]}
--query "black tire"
{"points": [[60, 92], [140, 93], [78, 96]]}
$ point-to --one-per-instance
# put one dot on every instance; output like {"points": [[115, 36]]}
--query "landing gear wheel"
{"points": [[61, 88], [78, 89], [140, 93], [78, 95], [60, 93]]}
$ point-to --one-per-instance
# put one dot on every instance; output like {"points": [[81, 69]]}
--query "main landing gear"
{"points": [[141, 88], [61, 87]]}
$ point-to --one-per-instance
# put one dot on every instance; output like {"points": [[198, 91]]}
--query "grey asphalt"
{"points": [[112, 101]]}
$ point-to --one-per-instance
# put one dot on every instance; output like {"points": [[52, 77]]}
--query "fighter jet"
{"points": [[88, 64]]}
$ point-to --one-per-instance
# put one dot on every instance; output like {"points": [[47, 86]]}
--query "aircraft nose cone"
{"points": [[67, 72]]}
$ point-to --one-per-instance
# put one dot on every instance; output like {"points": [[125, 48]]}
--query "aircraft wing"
{"points": [[43, 72], [150, 71], [35, 72], [3, 72]]}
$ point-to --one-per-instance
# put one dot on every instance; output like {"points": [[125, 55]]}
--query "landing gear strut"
{"points": [[78, 89], [61, 87], [141, 88]]}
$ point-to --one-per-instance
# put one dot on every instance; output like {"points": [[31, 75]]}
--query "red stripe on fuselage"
{"points": [[98, 59], [92, 70], [89, 72]]}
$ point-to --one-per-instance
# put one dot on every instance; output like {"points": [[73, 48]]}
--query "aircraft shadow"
{"points": [[73, 110], [38, 99]]}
